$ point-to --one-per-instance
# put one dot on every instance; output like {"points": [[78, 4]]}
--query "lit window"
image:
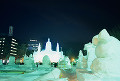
{"points": [[1, 53], [13, 54], [3, 38], [14, 48], [3, 44], [2, 50], [0, 41], [3, 41], [0, 44], [12, 45]]}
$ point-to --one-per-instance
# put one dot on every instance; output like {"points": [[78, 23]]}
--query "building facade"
{"points": [[33, 44], [8, 46]]}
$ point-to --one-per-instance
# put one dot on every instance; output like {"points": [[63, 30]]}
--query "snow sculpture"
{"points": [[108, 55], [90, 53], [11, 60], [65, 63], [53, 55], [28, 61], [46, 61], [80, 60], [95, 40], [1, 62], [84, 63]]}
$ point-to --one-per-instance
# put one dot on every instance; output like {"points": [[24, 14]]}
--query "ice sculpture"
{"points": [[108, 55], [84, 63], [11, 60], [65, 63], [90, 54], [80, 60], [46, 61], [28, 61]]}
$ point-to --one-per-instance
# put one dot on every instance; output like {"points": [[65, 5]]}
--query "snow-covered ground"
{"points": [[40, 74]]}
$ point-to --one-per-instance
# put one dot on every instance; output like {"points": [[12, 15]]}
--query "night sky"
{"points": [[71, 23]]}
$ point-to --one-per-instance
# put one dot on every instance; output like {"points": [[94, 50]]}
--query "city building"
{"points": [[33, 44], [8, 46]]}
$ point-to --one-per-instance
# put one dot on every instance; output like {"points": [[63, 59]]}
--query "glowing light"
{"points": [[12, 45], [13, 54], [73, 60]]}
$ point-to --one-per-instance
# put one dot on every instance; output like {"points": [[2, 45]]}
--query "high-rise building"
{"points": [[8, 46], [33, 44]]}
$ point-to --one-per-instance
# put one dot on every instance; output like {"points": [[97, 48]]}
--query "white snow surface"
{"points": [[40, 74]]}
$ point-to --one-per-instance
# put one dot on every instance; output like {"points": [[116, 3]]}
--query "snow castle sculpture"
{"points": [[108, 55], [54, 56]]}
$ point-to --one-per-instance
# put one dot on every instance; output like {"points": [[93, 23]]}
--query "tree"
{"points": [[70, 53], [22, 48], [115, 31]]}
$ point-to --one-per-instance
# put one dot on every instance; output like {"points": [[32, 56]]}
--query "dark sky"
{"points": [[71, 23]]}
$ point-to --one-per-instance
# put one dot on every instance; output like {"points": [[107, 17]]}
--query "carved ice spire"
{"points": [[39, 47], [48, 45], [57, 48]]}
